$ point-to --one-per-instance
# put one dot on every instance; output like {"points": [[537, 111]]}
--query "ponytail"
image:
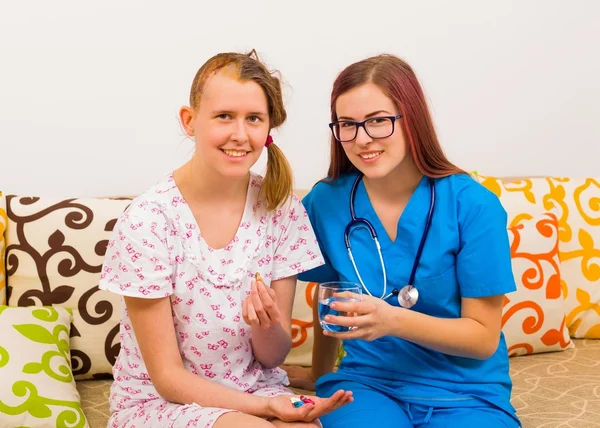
{"points": [[278, 184]]}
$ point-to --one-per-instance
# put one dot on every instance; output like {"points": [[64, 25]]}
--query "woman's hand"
{"points": [[282, 408], [370, 317], [300, 377], [260, 309]]}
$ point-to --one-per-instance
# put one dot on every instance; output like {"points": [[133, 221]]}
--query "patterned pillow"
{"points": [[576, 203], [37, 388], [302, 325], [3, 222], [55, 250], [533, 318]]}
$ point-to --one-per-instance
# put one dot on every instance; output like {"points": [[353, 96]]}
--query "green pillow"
{"points": [[37, 387]]}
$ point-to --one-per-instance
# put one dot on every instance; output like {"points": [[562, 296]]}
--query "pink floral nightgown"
{"points": [[157, 250]]}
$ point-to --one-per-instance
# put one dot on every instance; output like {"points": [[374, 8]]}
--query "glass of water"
{"points": [[329, 293]]}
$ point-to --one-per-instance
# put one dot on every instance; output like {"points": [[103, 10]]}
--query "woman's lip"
{"points": [[370, 159]]}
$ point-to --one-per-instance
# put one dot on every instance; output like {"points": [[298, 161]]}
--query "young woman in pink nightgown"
{"points": [[201, 339]]}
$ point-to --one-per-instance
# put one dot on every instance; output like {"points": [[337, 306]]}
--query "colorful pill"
{"points": [[296, 402], [306, 400]]}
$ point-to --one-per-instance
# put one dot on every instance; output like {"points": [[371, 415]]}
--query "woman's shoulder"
{"points": [[466, 187], [328, 191], [153, 202], [470, 196]]}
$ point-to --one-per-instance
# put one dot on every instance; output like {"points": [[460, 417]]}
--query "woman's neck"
{"points": [[200, 183], [397, 185]]}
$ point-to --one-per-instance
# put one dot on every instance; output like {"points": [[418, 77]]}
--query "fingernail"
{"points": [[327, 318]]}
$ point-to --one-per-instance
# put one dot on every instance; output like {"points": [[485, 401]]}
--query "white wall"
{"points": [[89, 91]]}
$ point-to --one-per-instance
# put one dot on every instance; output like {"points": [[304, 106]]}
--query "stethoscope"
{"points": [[408, 295]]}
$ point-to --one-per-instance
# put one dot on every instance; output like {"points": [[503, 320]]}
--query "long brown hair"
{"points": [[398, 81], [278, 183]]}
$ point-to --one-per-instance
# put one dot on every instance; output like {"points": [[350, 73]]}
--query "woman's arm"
{"points": [[154, 330], [475, 334], [153, 326], [272, 339]]}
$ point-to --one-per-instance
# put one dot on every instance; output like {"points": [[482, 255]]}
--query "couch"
{"points": [[52, 251]]}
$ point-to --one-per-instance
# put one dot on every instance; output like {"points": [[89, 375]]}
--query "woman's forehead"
{"points": [[363, 100], [226, 90]]}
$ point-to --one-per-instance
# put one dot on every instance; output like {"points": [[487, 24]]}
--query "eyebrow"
{"points": [[252, 113], [375, 113]]}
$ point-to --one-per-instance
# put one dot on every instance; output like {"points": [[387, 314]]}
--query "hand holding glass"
{"points": [[329, 293]]}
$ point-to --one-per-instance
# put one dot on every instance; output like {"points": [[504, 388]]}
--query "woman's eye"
{"points": [[254, 119], [347, 124], [224, 116]]}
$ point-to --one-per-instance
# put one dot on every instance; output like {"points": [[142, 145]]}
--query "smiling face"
{"points": [[375, 158], [230, 125]]}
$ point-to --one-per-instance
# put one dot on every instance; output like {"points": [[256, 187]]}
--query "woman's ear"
{"points": [[186, 117]]}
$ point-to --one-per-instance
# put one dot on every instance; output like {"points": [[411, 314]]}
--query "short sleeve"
{"points": [[483, 263], [325, 272], [297, 249], [137, 261]]}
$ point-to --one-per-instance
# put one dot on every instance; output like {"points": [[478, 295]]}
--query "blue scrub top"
{"points": [[467, 254]]}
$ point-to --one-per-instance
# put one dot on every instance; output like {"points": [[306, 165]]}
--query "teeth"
{"points": [[235, 153], [370, 155]]}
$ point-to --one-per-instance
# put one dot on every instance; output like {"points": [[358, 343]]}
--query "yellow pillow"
{"points": [[3, 222], [576, 204]]}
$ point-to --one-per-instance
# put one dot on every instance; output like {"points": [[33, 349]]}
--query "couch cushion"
{"points": [[55, 250], [37, 388], [2, 249], [94, 400], [533, 317], [558, 389], [576, 203]]}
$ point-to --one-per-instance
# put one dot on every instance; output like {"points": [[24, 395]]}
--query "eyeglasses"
{"points": [[375, 127]]}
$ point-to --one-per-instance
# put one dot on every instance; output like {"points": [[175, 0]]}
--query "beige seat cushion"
{"points": [[94, 401], [559, 388], [549, 389]]}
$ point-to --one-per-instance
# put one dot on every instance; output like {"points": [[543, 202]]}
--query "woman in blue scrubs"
{"points": [[442, 362]]}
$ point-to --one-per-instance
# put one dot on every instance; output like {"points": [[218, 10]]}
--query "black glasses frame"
{"points": [[363, 125]]}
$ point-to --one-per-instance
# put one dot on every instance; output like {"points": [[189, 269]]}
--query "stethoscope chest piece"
{"points": [[408, 296]]}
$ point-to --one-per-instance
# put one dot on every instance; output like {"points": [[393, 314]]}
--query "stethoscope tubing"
{"points": [[354, 221]]}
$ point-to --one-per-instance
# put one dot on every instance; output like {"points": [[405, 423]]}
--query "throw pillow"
{"points": [[37, 388], [55, 250], [576, 204], [302, 325], [533, 319]]}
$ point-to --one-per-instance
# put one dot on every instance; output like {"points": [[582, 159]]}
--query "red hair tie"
{"points": [[269, 141]]}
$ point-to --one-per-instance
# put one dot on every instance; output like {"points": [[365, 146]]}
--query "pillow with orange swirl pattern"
{"points": [[533, 319], [302, 325], [576, 203]]}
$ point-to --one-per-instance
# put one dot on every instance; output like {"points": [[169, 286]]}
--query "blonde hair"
{"points": [[278, 183]]}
